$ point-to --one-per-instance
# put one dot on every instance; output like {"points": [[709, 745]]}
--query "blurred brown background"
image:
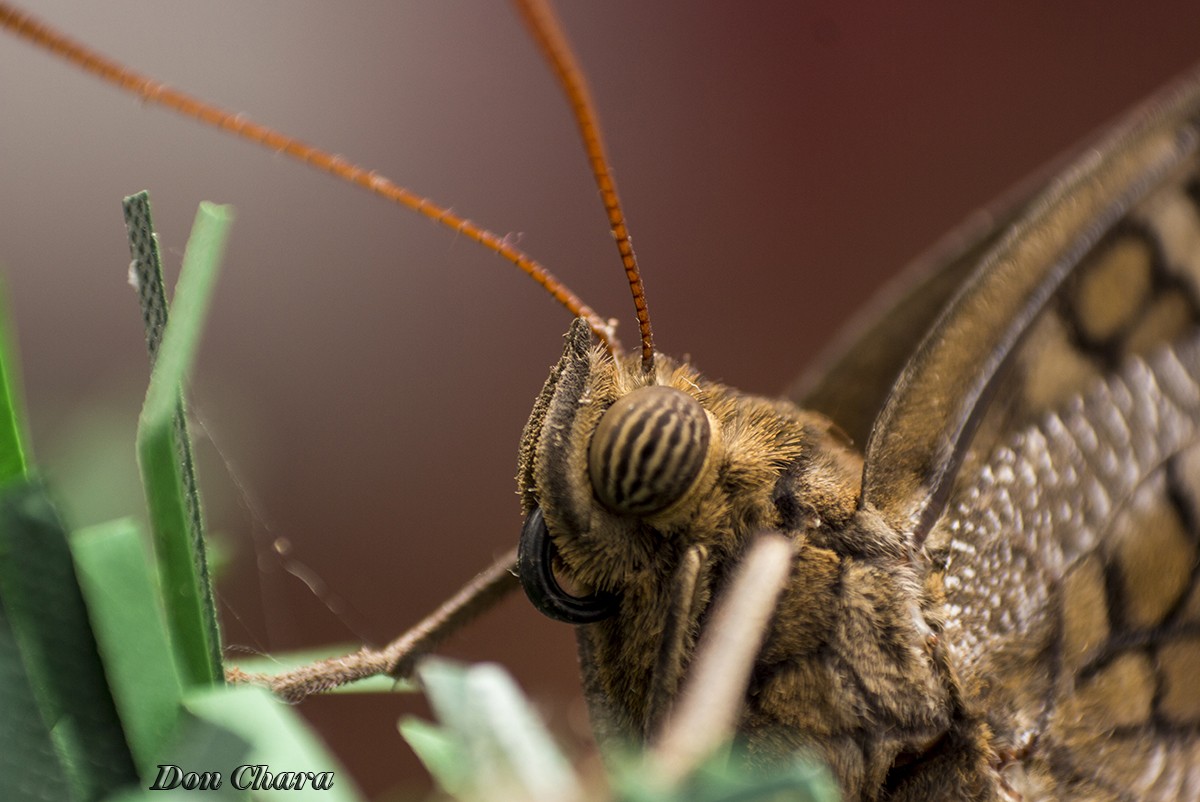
{"points": [[365, 374]]}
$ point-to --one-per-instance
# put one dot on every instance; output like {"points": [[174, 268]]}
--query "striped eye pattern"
{"points": [[648, 450]]}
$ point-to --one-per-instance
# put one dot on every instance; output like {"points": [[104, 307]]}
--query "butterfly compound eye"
{"points": [[648, 450]]}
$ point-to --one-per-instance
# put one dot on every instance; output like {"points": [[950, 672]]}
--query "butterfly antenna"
{"points": [[552, 41], [154, 92]]}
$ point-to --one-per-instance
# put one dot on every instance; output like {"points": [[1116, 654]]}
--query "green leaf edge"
{"points": [[279, 738], [190, 610], [120, 589], [14, 428], [503, 739]]}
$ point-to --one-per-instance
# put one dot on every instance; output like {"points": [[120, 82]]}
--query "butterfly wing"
{"points": [[1067, 561], [1041, 444]]}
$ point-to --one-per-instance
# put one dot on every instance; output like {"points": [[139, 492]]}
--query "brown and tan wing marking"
{"points": [[1069, 567], [921, 435], [1069, 554]]}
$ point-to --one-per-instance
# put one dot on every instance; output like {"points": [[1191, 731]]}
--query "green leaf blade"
{"points": [[44, 607], [30, 767], [485, 716], [128, 620], [279, 739], [164, 452], [14, 429]]}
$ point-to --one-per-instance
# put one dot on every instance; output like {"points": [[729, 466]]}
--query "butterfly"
{"points": [[664, 292]]}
